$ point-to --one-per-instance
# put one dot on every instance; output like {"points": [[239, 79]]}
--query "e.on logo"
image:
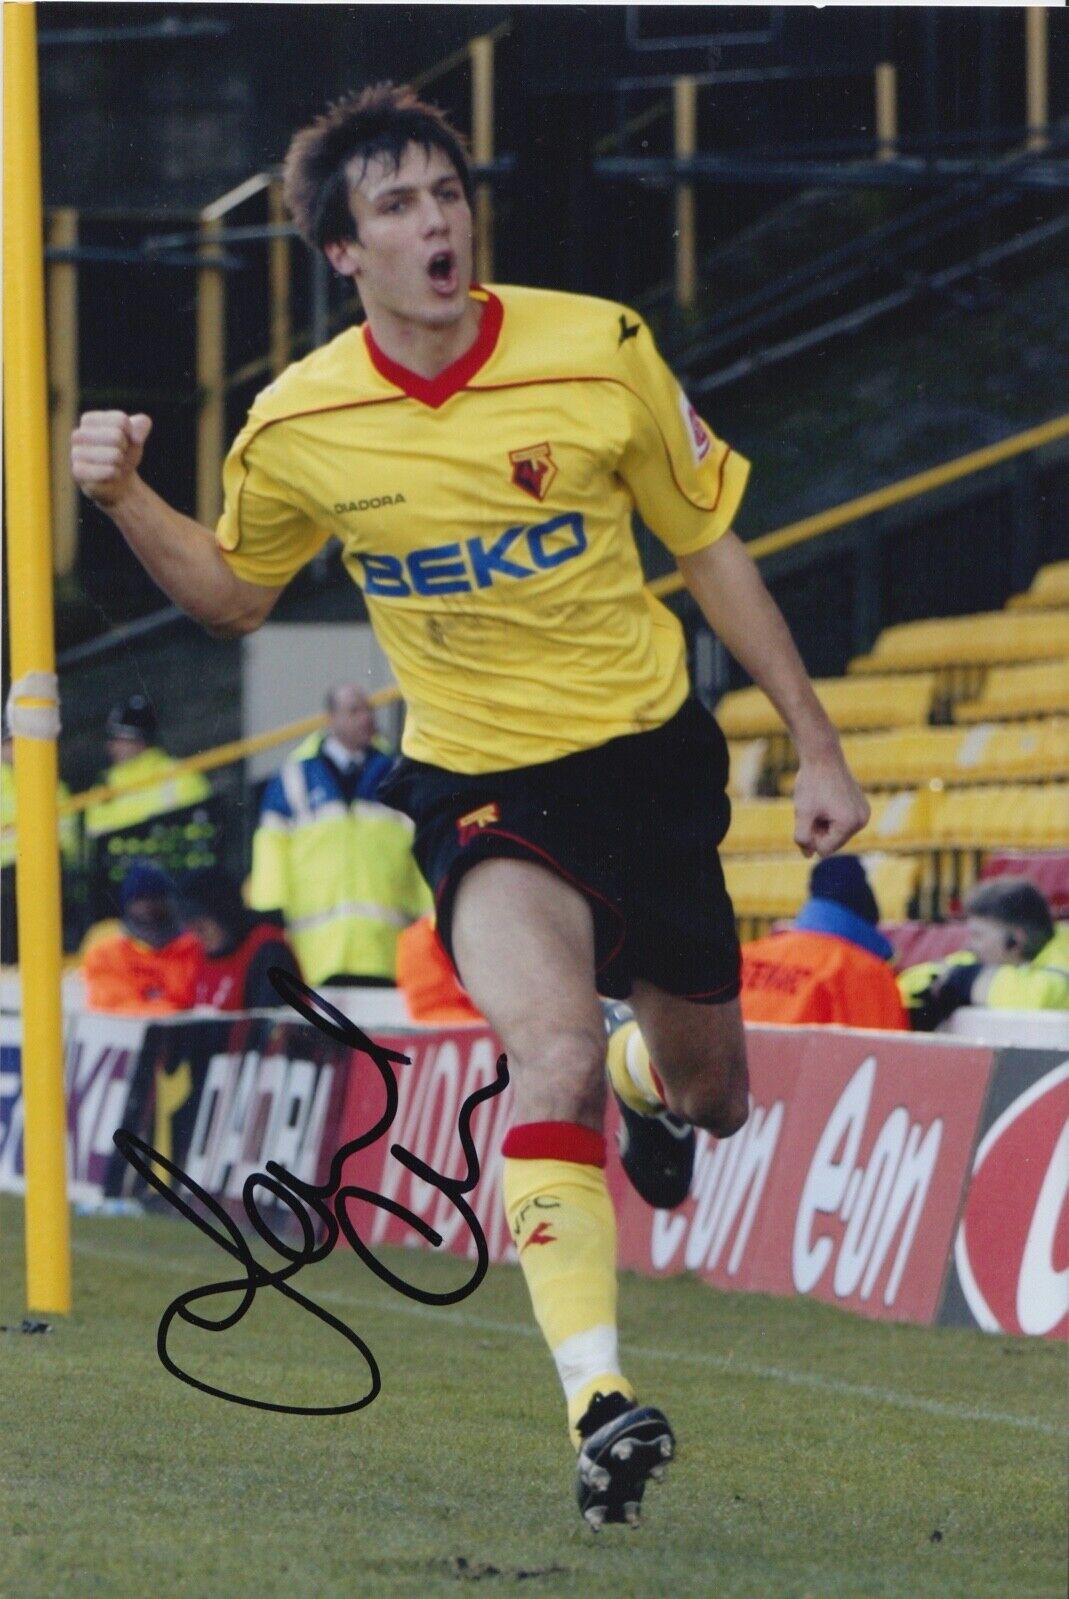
{"points": [[874, 1202], [1012, 1249], [729, 1180]]}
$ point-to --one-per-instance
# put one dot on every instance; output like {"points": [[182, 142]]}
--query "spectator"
{"points": [[133, 756], [351, 722], [150, 967], [337, 864], [426, 977], [240, 947], [1014, 958], [68, 845], [832, 964]]}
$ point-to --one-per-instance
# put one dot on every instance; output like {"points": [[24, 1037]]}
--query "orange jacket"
{"points": [[815, 977], [122, 974], [426, 978]]}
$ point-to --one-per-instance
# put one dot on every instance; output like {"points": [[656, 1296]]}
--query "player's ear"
{"points": [[342, 255]]}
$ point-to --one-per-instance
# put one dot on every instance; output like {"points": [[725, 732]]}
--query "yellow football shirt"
{"points": [[486, 515]]}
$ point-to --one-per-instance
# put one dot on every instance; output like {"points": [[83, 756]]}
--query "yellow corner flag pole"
{"points": [[33, 707]]}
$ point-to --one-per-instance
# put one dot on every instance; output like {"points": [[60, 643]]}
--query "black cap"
{"points": [[132, 718], [145, 880], [842, 878]]}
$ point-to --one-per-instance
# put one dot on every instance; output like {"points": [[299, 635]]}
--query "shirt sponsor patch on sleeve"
{"points": [[700, 441]]}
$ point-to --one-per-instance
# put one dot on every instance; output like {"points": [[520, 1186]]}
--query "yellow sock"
{"points": [[564, 1228], [631, 1071]]}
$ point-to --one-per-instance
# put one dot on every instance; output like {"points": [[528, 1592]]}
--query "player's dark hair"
{"points": [[381, 121], [1017, 903]]}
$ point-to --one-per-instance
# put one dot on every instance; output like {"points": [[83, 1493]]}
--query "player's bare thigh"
{"points": [[700, 1055], [524, 945]]}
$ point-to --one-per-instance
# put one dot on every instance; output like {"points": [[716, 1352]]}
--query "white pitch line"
{"points": [[777, 1374]]}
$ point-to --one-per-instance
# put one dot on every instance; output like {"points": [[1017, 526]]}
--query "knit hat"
{"points": [[211, 891], [144, 881], [842, 878], [132, 718]]}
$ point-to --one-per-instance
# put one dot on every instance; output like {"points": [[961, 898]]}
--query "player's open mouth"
{"points": [[442, 270]]}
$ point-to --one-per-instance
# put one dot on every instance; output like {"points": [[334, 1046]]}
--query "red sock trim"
{"points": [[555, 1141], [658, 1085]]}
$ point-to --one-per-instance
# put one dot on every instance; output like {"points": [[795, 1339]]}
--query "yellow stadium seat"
{"points": [[747, 713], [749, 758], [988, 752], [850, 703], [769, 888], [902, 757], [1012, 692], [895, 880], [766, 888], [1048, 590], [1032, 816], [987, 639], [901, 821], [759, 827]]}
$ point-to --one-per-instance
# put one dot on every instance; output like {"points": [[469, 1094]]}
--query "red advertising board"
{"points": [[446, 1067], [846, 1183], [1011, 1255], [903, 1178]]}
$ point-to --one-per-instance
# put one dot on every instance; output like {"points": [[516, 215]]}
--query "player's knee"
{"points": [[562, 1077], [720, 1103]]}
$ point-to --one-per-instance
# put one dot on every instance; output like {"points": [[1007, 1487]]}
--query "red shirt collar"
{"points": [[435, 391]]}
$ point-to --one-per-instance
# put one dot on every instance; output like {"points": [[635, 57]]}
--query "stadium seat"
{"points": [[901, 821], [1011, 693], [957, 756], [968, 823], [749, 759], [961, 646], [1049, 589], [851, 704], [1032, 816], [771, 888], [759, 827]]}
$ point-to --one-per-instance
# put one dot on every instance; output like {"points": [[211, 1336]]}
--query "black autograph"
{"points": [[327, 1202]]}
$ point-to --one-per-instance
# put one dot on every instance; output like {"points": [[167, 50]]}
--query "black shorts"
{"points": [[634, 824]]}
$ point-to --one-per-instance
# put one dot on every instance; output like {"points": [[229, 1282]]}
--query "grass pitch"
{"points": [[819, 1455]]}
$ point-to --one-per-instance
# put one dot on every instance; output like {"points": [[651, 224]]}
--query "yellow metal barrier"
{"points": [[907, 488], [221, 755]]}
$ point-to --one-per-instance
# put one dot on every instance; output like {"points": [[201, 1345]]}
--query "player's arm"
{"points": [[829, 807], [179, 554]]}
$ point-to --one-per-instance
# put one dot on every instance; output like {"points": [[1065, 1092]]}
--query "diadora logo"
{"points": [[533, 469], [461, 567], [374, 504], [541, 1235]]}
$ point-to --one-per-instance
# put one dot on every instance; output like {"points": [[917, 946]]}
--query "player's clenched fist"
{"points": [[106, 450]]}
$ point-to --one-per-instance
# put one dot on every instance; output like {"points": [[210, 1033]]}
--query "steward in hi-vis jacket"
{"points": [[338, 865]]}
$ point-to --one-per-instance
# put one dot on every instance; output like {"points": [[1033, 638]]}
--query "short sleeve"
{"points": [[686, 483], [266, 536]]}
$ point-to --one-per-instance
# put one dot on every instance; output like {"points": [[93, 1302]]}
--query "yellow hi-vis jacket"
{"points": [[342, 874], [1040, 984], [68, 825], [174, 792]]}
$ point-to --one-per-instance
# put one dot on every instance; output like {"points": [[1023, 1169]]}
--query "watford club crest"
{"points": [[533, 469]]}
